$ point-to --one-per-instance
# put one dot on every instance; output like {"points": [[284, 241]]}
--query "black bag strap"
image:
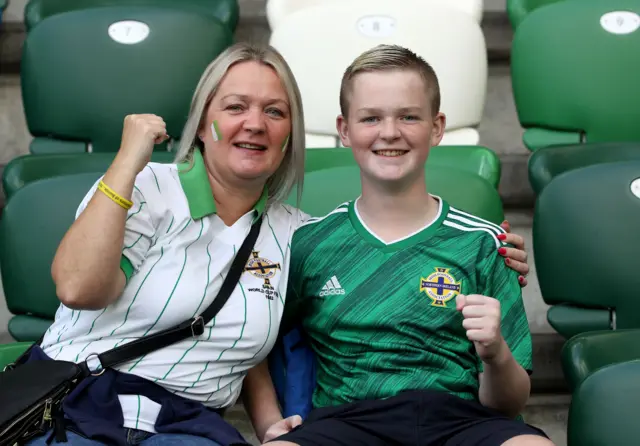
{"points": [[193, 327]]}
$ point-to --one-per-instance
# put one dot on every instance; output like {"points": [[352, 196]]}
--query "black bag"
{"points": [[31, 394]]}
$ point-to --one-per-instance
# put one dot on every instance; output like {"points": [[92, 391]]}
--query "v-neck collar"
{"points": [[418, 236]]}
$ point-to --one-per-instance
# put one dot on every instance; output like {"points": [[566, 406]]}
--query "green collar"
{"points": [[195, 184]]}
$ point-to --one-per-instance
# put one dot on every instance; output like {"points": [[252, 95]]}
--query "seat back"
{"points": [[517, 10], [26, 169], [477, 160], [32, 226], [78, 83], [227, 11], [277, 10], [458, 56], [604, 407], [10, 352], [326, 189], [473, 159], [578, 83], [547, 163], [586, 240]]}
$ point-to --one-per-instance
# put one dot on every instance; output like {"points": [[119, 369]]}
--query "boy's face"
{"points": [[389, 126]]}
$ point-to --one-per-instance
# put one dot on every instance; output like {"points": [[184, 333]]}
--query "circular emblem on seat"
{"points": [[635, 187], [620, 22], [128, 32], [376, 26]]}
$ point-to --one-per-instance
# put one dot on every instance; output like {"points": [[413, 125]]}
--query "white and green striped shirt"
{"points": [[176, 253]]}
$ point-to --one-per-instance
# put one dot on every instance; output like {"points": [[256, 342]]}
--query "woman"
{"points": [[152, 245]]}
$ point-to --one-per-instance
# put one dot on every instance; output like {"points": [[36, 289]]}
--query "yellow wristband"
{"points": [[114, 196]]}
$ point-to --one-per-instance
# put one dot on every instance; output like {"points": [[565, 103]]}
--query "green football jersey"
{"points": [[381, 317]]}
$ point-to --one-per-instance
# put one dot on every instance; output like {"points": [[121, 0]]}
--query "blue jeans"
{"points": [[134, 438]]}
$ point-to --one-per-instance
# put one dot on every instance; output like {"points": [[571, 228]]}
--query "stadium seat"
{"points": [[585, 353], [227, 11], [326, 189], [604, 407], [32, 225], [82, 73], [477, 160], [279, 9], [10, 352], [29, 168], [318, 61], [474, 159], [578, 84], [547, 163], [517, 10], [586, 243]]}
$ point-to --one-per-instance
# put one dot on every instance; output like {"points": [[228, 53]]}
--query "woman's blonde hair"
{"points": [[291, 170]]}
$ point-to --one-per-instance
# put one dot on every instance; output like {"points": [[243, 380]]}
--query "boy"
{"points": [[417, 324]]}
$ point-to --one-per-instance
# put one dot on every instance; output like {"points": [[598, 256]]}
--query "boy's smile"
{"points": [[390, 152]]}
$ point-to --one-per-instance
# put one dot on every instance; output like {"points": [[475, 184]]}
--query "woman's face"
{"points": [[246, 125]]}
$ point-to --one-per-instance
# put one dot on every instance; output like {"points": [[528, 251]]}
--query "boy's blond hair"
{"points": [[388, 58]]}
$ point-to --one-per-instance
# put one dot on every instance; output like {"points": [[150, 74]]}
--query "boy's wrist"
{"points": [[501, 358]]}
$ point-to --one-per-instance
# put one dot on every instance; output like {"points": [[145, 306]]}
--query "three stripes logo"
{"points": [[332, 288]]}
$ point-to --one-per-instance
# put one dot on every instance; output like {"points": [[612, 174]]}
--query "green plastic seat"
{"points": [[576, 84], [477, 160], [29, 168], [227, 11], [474, 159], [547, 163], [604, 408], [32, 226], [78, 83], [517, 10], [320, 159], [10, 352], [326, 189], [583, 354], [586, 243]]}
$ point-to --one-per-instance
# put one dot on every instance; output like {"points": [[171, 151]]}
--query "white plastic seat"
{"points": [[315, 141], [320, 42], [461, 137], [278, 9]]}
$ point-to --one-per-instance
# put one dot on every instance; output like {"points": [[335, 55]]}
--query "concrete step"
{"points": [[547, 412]]}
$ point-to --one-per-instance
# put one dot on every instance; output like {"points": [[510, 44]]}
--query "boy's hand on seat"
{"points": [[282, 427], [515, 258], [482, 321]]}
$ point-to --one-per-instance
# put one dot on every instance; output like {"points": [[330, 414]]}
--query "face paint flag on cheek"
{"points": [[285, 143], [215, 131]]}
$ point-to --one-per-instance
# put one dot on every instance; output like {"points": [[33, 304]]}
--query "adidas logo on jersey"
{"points": [[332, 288]]}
